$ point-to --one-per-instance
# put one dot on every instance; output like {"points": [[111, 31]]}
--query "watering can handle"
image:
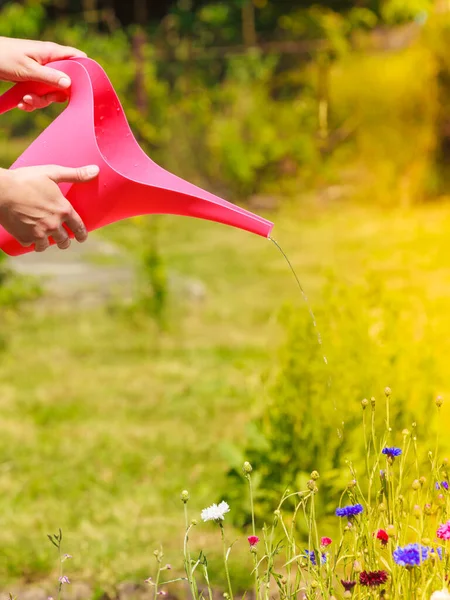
{"points": [[11, 98]]}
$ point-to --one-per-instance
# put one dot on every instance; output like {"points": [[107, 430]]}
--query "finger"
{"points": [[42, 74], [34, 101], [25, 107], [76, 226], [58, 52], [24, 243], [41, 244], [70, 175], [61, 238]]}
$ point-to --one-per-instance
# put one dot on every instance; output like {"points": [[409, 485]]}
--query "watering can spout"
{"points": [[93, 129]]}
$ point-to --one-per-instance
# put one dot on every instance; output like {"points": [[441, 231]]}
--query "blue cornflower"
{"points": [[349, 511], [312, 557], [411, 555], [392, 452], [443, 485]]}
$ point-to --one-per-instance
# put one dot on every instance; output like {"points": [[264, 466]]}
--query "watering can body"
{"points": [[93, 129]]}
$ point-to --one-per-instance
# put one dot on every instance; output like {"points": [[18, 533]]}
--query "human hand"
{"points": [[32, 207], [25, 60]]}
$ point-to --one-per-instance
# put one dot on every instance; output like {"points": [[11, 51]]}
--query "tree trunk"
{"points": [[139, 41], [248, 23]]}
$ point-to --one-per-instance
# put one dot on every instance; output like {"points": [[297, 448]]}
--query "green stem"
{"points": [[230, 591], [255, 558], [187, 556]]}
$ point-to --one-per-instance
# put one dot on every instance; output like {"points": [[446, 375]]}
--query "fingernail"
{"points": [[64, 82], [92, 170]]}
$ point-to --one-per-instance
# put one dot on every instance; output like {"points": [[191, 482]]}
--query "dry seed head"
{"points": [[311, 485], [373, 401], [416, 484], [439, 401], [387, 392], [422, 480]]}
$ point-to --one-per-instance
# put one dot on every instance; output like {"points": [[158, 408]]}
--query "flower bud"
{"points": [[391, 530], [422, 480], [416, 484], [439, 401], [315, 475], [445, 461], [427, 509], [351, 484], [194, 522], [347, 594], [405, 432], [373, 401], [364, 403], [387, 392], [382, 507], [426, 541], [314, 585], [357, 566], [184, 496], [247, 468], [417, 511]]}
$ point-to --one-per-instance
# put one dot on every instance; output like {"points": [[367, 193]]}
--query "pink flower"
{"points": [[443, 532], [325, 541], [253, 540]]}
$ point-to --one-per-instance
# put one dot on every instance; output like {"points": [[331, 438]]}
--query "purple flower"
{"points": [[411, 555], [443, 485], [392, 452], [349, 511], [312, 557], [63, 579]]}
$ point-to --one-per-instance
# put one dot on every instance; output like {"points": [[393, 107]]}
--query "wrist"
{"points": [[5, 186]]}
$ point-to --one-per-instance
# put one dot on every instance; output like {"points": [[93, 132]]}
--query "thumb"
{"points": [[49, 76], [69, 175]]}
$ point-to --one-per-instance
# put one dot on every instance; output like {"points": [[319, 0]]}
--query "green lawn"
{"points": [[105, 420]]}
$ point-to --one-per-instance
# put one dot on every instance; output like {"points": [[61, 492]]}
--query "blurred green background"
{"points": [[331, 118]]}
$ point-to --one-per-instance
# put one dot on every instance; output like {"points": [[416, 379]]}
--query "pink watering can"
{"points": [[93, 129]]}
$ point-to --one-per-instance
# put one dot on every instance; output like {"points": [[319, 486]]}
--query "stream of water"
{"points": [[314, 322]]}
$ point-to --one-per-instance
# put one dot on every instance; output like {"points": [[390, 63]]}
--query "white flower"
{"points": [[215, 512], [442, 595]]}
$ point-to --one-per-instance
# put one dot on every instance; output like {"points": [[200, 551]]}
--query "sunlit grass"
{"points": [[104, 420]]}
